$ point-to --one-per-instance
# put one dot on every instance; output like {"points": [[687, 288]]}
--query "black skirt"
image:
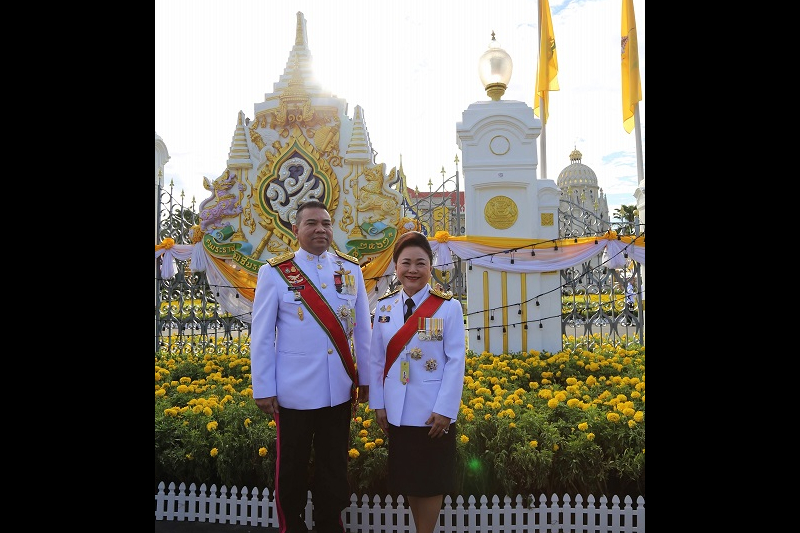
{"points": [[420, 465]]}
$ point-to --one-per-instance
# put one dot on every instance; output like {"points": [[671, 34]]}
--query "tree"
{"points": [[626, 215]]}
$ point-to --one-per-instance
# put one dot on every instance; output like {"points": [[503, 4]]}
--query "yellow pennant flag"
{"points": [[547, 73], [631, 81]]}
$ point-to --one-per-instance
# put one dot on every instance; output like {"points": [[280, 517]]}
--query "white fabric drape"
{"points": [[547, 258], [486, 252]]}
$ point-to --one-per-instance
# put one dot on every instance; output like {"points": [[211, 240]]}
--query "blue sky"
{"points": [[412, 66]]}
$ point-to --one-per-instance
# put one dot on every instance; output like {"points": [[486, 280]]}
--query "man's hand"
{"points": [[268, 405], [363, 394]]}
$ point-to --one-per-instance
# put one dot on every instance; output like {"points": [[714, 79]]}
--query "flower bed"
{"points": [[530, 423]]}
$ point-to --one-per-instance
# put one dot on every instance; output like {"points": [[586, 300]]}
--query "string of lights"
{"points": [[512, 251]]}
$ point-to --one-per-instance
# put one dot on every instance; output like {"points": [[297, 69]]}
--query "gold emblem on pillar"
{"points": [[501, 212]]}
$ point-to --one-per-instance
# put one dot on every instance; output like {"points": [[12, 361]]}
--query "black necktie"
{"points": [[409, 309]]}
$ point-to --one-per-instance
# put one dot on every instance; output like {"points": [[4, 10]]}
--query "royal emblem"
{"points": [[431, 364], [348, 317]]}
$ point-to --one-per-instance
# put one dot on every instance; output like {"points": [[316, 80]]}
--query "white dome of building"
{"points": [[581, 199]]}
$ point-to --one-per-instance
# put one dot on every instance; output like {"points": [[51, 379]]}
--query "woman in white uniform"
{"points": [[417, 363]]}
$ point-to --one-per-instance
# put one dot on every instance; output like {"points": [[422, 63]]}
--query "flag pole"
{"points": [[543, 141], [542, 110], [639, 162]]}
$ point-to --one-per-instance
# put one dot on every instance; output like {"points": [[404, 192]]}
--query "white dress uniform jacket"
{"points": [[292, 356], [436, 378]]}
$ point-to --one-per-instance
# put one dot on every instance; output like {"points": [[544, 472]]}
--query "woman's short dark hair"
{"points": [[411, 238]]}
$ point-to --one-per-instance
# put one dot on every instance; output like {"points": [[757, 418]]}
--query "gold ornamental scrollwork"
{"points": [[501, 212]]}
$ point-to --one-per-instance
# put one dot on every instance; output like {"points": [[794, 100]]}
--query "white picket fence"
{"points": [[522, 515]]}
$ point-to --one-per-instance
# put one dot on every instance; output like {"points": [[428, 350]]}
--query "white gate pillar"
{"points": [[503, 198]]}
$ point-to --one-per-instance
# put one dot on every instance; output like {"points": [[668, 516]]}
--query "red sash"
{"points": [[324, 315], [407, 330]]}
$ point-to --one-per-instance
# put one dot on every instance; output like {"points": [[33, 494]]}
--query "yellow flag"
{"points": [[547, 73], [631, 81]]}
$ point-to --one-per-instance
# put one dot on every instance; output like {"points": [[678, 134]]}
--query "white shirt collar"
{"points": [[418, 297]]}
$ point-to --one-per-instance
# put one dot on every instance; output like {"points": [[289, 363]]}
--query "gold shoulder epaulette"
{"points": [[278, 259], [348, 257], [440, 294], [398, 289]]}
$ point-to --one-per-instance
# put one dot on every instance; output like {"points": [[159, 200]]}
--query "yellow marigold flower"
{"points": [[262, 452], [184, 380], [464, 439], [364, 439], [247, 422], [207, 411], [631, 423], [214, 452], [552, 403], [183, 389], [534, 443], [512, 425], [555, 447], [160, 392], [379, 442], [363, 433], [590, 436], [533, 385], [613, 417], [353, 453], [367, 423], [369, 446], [470, 417], [638, 416], [487, 416], [211, 426], [583, 426], [573, 402], [359, 419]]}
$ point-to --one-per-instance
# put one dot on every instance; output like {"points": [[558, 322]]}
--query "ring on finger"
{"points": [[446, 430]]}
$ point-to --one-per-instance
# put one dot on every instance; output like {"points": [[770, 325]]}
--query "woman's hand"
{"points": [[440, 425]]}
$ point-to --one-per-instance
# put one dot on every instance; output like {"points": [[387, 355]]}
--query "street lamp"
{"points": [[494, 68]]}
